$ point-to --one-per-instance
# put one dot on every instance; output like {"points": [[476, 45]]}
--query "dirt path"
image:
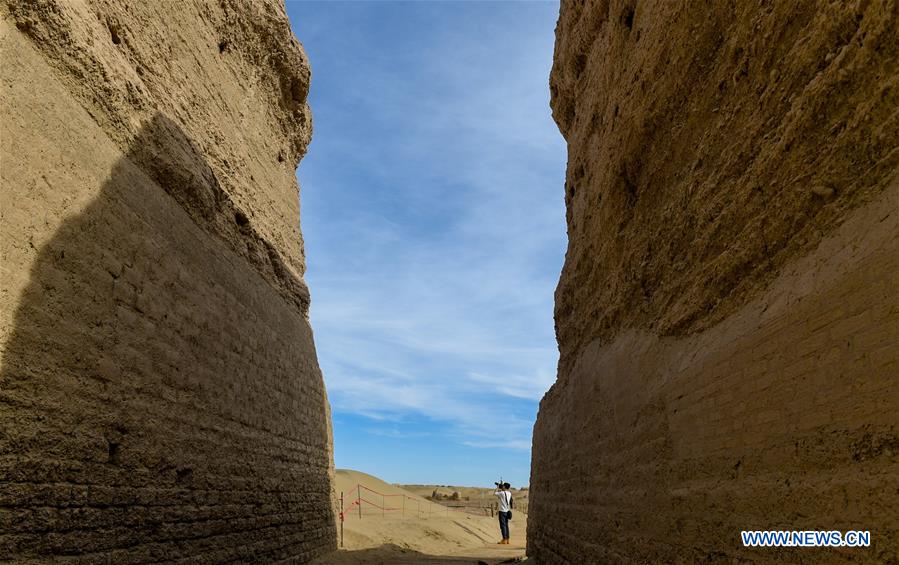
{"points": [[489, 554]]}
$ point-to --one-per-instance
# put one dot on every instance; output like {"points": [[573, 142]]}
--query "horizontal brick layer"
{"points": [[160, 397], [782, 417]]}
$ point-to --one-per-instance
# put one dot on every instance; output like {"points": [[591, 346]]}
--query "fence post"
{"points": [[359, 498], [341, 518]]}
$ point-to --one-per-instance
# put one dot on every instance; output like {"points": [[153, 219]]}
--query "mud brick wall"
{"points": [[160, 397], [728, 312]]}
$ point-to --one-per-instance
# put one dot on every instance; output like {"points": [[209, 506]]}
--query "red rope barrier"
{"points": [[346, 514]]}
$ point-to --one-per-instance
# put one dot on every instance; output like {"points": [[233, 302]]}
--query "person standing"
{"points": [[505, 509]]}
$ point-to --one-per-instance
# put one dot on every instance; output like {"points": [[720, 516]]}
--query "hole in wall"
{"points": [[112, 451], [627, 17], [297, 91], [184, 475], [114, 32], [580, 64]]}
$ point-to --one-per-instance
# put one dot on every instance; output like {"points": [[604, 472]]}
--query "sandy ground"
{"points": [[419, 532]]}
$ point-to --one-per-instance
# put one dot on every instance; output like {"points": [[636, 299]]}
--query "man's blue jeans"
{"points": [[504, 524]]}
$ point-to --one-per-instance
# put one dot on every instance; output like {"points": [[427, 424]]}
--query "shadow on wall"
{"points": [[160, 396]]}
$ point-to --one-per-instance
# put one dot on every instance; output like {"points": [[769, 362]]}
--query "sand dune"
{"points": [[396, 524], [477, 500]]}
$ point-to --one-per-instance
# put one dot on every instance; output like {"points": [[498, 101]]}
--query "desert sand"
{"points": [[423, 532], [476, 500]]}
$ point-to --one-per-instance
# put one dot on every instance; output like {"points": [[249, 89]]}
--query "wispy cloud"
{"points": [[433, 214]]}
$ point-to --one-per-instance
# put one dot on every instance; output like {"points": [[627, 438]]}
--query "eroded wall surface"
{"points": [[160, 396], [728, 312]]}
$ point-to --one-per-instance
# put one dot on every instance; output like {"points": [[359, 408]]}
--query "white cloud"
{"points": [[435, 233]]}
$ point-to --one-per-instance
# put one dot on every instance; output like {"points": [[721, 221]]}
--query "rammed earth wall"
{"points": [[728, 312], [160, 396]]}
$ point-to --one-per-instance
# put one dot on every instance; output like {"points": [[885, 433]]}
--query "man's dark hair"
{"points": [[507, 485]]}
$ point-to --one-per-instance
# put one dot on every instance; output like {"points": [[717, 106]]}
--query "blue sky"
{"points": [[433, 217]]}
